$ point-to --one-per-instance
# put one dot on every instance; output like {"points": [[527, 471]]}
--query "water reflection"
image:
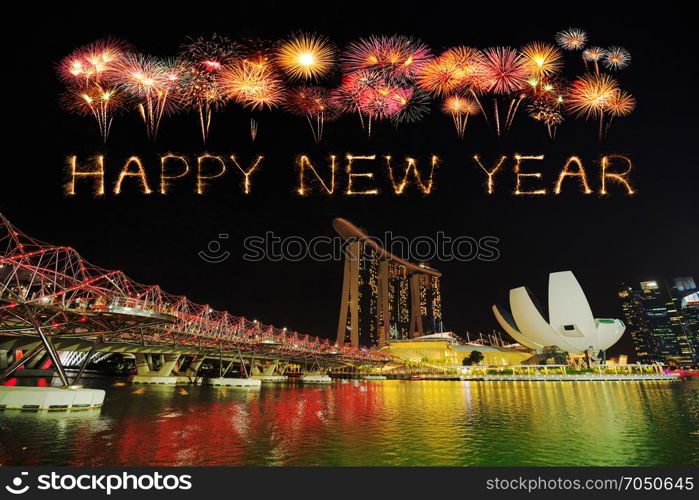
{"points": [[369, 423]]}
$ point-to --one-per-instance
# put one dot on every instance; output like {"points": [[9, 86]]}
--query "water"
{"points": [[369, 423]]}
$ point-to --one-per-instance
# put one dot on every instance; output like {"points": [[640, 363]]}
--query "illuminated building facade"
{"points": [[663, 318], [384, 297]]}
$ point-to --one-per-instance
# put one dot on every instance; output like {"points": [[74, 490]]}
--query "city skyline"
{"points": [[663, 320]]}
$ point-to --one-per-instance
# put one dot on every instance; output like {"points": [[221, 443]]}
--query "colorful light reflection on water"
{"points": [[369, 423]]}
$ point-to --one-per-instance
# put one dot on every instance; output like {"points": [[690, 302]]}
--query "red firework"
{"points": [[505, 70], [396, 57], [315, 104]]}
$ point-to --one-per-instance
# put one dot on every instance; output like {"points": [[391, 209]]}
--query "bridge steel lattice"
{"points": [[52, 300]]}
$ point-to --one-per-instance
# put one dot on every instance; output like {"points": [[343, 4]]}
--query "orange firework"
{"points": [[590, 97], [454, 70], [460, 108], [253, 86], [306, 57], [621, 104], [594, 55], [98, 101], [542, 59]]}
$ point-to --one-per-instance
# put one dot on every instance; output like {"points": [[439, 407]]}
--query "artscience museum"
{"points": [[570, 327]]}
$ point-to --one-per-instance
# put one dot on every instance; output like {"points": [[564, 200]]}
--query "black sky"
{"points": [[156, 239]]}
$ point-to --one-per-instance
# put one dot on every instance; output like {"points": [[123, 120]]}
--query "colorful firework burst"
{"points": [[460, 108], [454, 70], [571, 39], [202, 60], [306, 56], [396, 57], [253, 86], [415, 104], [594, 55], [100, 101], [347, 96], [313, 103], [258, 51], [590, 95], [92, 62], [154, 84], [505, 70], [547, 110], [542, 59], [620, 104], [616, 58]]}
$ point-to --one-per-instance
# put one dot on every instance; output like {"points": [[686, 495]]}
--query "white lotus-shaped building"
{"points": [[570, 327]]}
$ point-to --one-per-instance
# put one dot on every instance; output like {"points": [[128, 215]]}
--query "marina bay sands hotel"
{"points": [[383, 296]]}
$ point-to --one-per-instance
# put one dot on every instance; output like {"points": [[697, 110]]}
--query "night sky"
{"points": [[156, 239]]}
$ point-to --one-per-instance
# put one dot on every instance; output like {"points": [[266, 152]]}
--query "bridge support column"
{"points": [[142, 364], [169, 362], [269, 372], [319, 376], [146, 375], [194, 366]]}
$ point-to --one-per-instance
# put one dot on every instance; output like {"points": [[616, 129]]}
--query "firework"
{"points": [[415, 104], [590, 96], [506, 72], [454, 70], [505, 69], [255, 87], [460, 108], [348, 96], [616, 58], [571, 39], [99, 101], [258, 51], [92, 62], [377, 99], [153, 83], [395, 57], [306, 57], [383, 78], [542, 59], [594, 55], [382, 102], [315, 104], [548, 111], [202, 60], [620, 104]]}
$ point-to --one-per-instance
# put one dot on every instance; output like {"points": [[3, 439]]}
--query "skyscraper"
{"points": [[663, 318], [383, 296]]}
